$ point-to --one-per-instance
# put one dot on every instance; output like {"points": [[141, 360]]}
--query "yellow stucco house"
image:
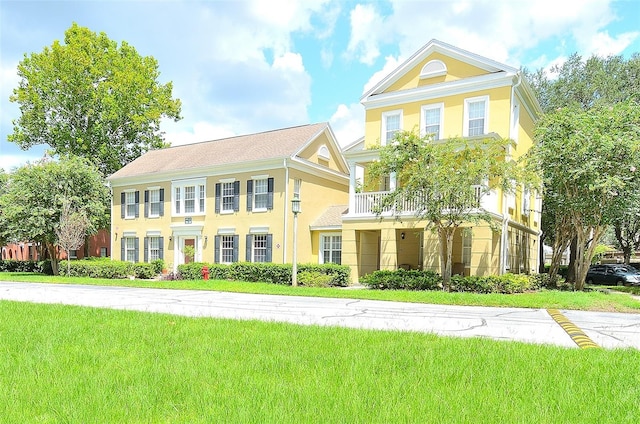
{"points": [[229, 200], [448, 92]]}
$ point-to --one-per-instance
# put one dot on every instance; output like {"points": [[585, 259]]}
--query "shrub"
{"points": [[192, 270], [506, 283], [314, 279], [12, 265], [158, 265], [402, 280], [340, 274], [144, 270], [100, 268]]}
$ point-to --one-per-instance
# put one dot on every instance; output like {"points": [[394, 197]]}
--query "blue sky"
{"points": [[247, 66]]}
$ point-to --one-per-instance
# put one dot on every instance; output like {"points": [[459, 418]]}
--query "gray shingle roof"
{"points": [[331, 217], [274, 144]]}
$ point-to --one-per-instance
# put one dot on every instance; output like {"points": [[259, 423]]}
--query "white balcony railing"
{"points": [[369, 203]]}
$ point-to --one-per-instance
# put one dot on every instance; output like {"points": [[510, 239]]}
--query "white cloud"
{"points": [[366, 29], [602, 44], [9, 162], [390, 64], [347, 123], [200, 131]]}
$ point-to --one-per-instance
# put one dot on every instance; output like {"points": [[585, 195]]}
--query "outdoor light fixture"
{"points": [[295, 208], [402, 236], [170, 238], [206, 238]]}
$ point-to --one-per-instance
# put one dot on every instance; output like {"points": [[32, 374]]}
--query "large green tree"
{"points": [[588, 160], [36, 193], [588, 84], [442, 182], [4, 178], [92, 98]]}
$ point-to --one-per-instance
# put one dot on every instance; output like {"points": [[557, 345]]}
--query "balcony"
{"points": [[368, 203]]}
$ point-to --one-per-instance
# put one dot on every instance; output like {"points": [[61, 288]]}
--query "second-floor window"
{"points": [[391, 124], [189, 197], [432, 121], [475, 116], [154, 202], [228, 196], [260, 194], [130, 201]]}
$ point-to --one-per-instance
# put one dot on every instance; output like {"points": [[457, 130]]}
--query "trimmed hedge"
{"points": [[264, 272], [12, 265], [429, 280], [106, 268]]}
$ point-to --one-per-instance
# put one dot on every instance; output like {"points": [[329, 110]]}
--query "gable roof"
{"points": [[275, 144], [491, 66]]}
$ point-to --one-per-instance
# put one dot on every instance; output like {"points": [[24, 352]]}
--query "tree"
{"points": [[585, 84], [33, 203], [588, 161], [92, 98], [4, 179], [71, 230], [443, 181]]}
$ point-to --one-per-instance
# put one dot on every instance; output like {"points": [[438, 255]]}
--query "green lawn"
{"points": [[83, 365], [598, 300]]}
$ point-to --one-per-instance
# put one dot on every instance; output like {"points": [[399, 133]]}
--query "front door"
{"points": [[189, 250]]}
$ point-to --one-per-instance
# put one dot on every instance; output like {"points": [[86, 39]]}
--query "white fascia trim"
{"points": [[330, 229], [333, 141], [315, 169], [470, 85]]}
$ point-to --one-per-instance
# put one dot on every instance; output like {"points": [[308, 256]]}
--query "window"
{"points": [[432, 120], [154, 203], [227, 196], [226, 249], [153, 248], [189, 197], [73, 254], [129, 249], [475, 112], [433, 68], [297, 186], [331, 246], [259, 247], [466, 246], [391, 124], [103, 252], [129, 201], [260, 194]]}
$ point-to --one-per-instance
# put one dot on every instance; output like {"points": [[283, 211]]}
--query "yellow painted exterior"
{"points": [[371, 243]]}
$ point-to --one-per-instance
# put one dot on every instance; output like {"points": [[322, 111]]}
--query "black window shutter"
{"points": [[236, 240], [146, 204], [249, 195], [161, 202], [146, 249], [161, 251], [217, 197], [137, 250], [248, 247], [122, 258], [122, 204], [270, 193], [216, 249], [137, 203], [269, 247], [236, 196]]}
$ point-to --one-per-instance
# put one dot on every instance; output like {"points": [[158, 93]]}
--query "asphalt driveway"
{"points": [[607, 330]]}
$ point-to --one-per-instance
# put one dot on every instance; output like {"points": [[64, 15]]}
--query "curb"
{"points": [[577, 335]]}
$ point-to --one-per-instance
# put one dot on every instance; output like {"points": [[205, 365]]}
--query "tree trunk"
{"points": [[53, 257], [443, 261], [541, 257], [572, 268]]}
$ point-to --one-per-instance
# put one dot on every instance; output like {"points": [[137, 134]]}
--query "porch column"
{"points": [[388, 249], [352, 187]]}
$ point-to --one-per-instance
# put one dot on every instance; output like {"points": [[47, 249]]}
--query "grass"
{"points": [[74, 364], [597, 300]]}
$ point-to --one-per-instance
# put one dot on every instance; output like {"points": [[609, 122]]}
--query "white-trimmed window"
{"points": [[330, 248], [227, 197], [467, 239], [391, 124], [259, 247], [260, 194], [129, 249], [432, 118], [154, 202], [153, 248], [130, 201], [476, 116], [226, 249], [189, 197]]}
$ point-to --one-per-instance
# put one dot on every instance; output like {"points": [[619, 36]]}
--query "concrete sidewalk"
{"points": [[608, 330]]}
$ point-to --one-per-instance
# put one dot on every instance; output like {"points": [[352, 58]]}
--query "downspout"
{"points": [[286, 212]]}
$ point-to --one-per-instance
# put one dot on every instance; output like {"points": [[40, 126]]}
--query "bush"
{"points": [[145, 271], [99, 268], [506, 283], [158, 266], [402, 280], [12, 265], [314, 279], [340, 274]]}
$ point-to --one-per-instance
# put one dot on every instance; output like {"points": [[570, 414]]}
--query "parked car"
{"points": [[613, 275]]}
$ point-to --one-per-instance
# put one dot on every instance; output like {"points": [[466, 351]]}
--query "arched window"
{"points": [[433, 68]]}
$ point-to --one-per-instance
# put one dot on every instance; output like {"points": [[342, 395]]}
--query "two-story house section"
{"points": [[448, 92], [229, 200]]}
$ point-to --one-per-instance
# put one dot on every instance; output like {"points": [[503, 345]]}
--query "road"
{"points": [[607, 330]]}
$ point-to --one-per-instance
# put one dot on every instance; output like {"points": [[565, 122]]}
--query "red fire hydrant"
{"points": [[205, 272]]}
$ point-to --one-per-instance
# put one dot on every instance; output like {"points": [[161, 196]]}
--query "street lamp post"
{"points": [[295, 208]]}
